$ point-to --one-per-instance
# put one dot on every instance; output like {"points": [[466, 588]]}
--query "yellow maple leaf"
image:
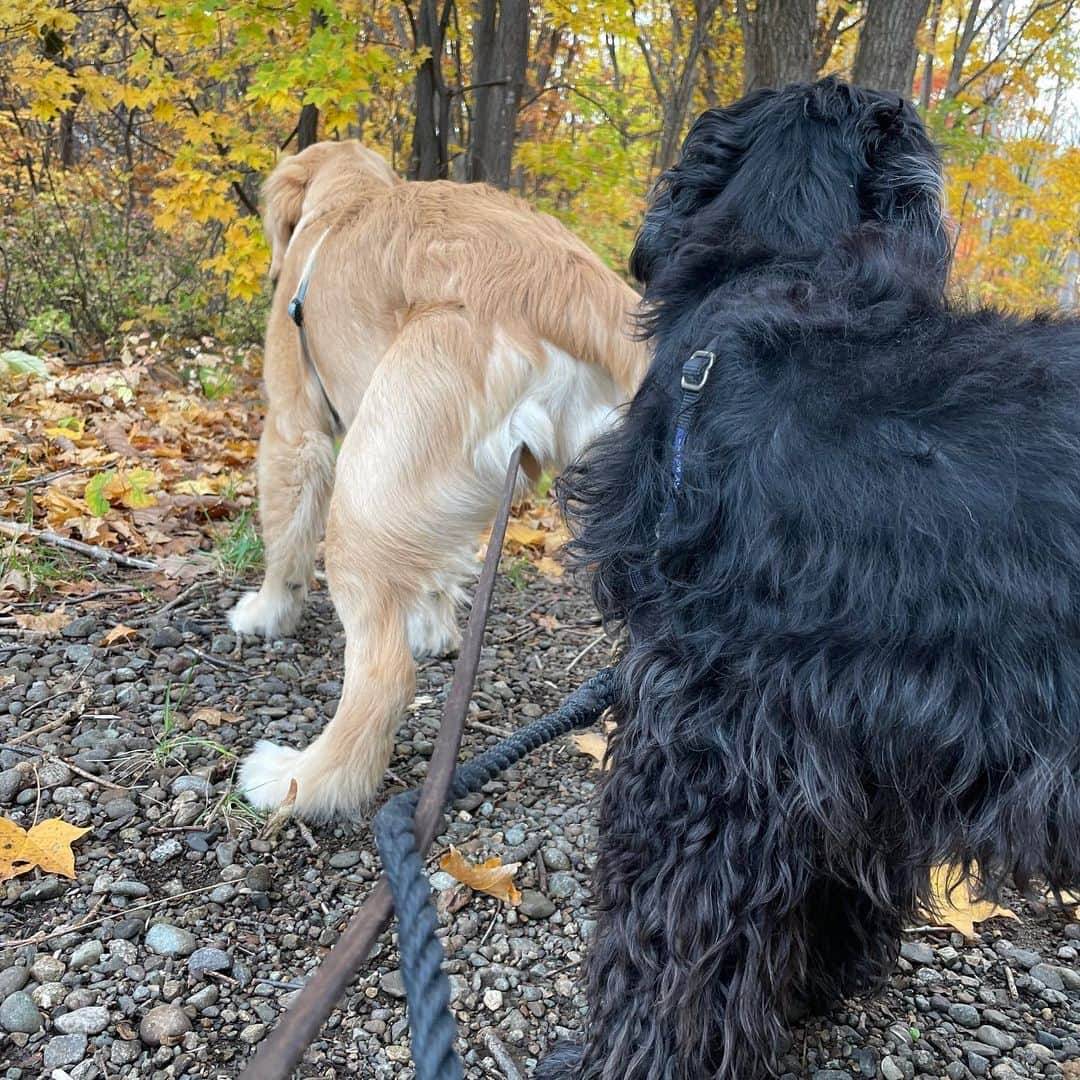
{"points": [[520, 535], [594, 744], [491, 877], [51, 622], [549, 567], [47, 847], [953, 904], [120, 632]]}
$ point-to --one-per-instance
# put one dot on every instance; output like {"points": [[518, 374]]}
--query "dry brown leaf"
{"points": [[549, 567], [51, 622], [953, 904], [555, 538], [491, 877], [594, 744], [47, 846], [119, 633], [211, 717], [282, 814]]}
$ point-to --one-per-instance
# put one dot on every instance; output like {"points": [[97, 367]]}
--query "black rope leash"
{"points": [[410, 823], [427, 988]]}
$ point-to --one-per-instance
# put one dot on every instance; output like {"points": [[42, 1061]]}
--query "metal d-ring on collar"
{"points": [[695, 374], [296, 313]]}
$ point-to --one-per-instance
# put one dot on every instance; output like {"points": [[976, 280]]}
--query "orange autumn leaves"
{"points": [[129, 456]]}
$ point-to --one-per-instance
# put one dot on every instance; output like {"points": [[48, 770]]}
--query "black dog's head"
{"points": [[791, 172]]}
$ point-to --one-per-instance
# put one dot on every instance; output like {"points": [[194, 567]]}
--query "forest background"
{"points": [[134, 135]]}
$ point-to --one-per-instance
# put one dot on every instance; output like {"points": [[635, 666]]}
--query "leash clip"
{"points": [[296, 310], [689, 382]]}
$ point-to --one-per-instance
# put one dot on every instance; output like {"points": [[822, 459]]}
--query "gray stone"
{"points": [[253, 1033], [1048, 975], [514, 836], [48, 888], [166, 637], [81, 627], [86, 955], [91, 1020], [166, 850], [535, 905], [164, 1025], [393, 983], [965, 1015], [64, 1050], [208, 959], [555, 859], [19, 1013], [12, 979], [342, 860], [199, 784], [166, 940], [130, 890], [46, 969], [891, 1069], [1000, 1040], [917, 952], [12, 781]]}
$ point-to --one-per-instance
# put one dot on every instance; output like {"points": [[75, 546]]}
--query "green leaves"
{"points": [[17, 362]]}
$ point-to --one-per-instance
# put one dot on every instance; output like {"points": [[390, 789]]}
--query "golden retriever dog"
{"points": [[446, 324]]}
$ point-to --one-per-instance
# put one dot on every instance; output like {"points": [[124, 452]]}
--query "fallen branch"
{"points": [[91, 551]]}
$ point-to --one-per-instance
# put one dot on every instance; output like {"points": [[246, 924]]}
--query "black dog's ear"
{"points": [[710, 155], [902, 182]]}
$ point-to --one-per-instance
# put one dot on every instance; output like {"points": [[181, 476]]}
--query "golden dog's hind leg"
{"points": [[296, 475], [408, 505]]}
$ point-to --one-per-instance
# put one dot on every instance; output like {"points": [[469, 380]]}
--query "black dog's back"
{"points": [[854, 629]]}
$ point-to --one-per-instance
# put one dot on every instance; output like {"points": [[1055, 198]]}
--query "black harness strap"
{"points": [[296, 313]]}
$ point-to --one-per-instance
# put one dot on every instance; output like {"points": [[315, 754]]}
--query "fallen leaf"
{"points": [[491, 877], [119, 633], [954, 906], [212, 717], [51, 622], [17, 362], [47, 847], [521, 535], [549, 567], [594, 744]]}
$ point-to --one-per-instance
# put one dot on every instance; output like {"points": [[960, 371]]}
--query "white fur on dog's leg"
{"points": [[267, 772], [432, 627], [269, 613], [340, 785]]}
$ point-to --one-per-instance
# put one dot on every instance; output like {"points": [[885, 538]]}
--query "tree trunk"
{"points": [[886, 56], [778, 36], [928, 69], [681, 92], [430, 151], [501, 51], [307, 127]]}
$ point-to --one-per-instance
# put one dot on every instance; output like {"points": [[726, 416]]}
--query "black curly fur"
{"points": [[854, 647]]}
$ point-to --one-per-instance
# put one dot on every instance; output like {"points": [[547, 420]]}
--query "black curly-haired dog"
{"points": [[848, 557]]}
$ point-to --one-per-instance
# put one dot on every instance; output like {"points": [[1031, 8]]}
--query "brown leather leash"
{"points": [[282, 1050]]}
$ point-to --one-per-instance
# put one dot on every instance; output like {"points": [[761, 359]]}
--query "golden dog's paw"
{"points": [[326, 788], [267, 772], [266, 613]]}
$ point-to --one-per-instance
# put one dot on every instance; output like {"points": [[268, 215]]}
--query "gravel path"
{"points": [[187, 931]]}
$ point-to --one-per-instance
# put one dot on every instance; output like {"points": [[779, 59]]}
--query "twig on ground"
{"points": [[76, 706], [37, 939], [501, 1055], [228, 665], [91, 551], [588, 649]]}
